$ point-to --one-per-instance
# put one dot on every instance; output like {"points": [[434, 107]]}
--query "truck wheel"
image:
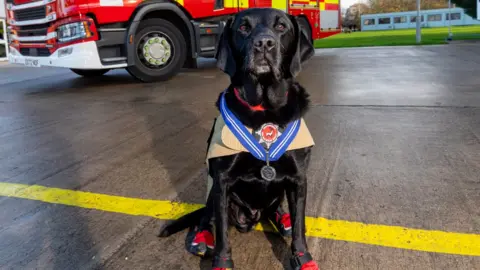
{"points": [[160, 49], [89, 72], [305, 26]]}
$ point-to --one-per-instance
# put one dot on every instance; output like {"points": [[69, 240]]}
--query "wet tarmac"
{"points": [[397, 134]]}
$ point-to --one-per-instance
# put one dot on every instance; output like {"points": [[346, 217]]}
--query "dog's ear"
{"points": [[303, 48], [225, 58]]}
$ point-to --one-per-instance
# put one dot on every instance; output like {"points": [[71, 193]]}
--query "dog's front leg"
{"points": [[297, 198], [222, 255], [200, 240]]}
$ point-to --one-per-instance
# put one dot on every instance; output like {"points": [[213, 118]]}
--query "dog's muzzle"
{"points": [[263, 54]]}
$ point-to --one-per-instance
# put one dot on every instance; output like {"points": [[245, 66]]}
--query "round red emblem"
{"points": [[269, 133]]}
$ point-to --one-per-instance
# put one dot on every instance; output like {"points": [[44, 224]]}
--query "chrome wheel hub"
{"points": [[157, 51]]}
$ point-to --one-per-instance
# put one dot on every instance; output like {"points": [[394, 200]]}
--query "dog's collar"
{"points": [[257, 108], [253, 108]]}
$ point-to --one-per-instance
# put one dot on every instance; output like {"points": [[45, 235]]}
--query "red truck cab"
{"points": [[152, 39]]}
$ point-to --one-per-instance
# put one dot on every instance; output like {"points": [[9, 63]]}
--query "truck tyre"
{"points": [[160, 51], [89, 72], [304, 25]]}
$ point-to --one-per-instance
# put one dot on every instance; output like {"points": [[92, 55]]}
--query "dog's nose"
{"points": [[264, 43]]}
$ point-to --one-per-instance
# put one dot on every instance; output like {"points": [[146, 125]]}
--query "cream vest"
{"points": [[224, 143]]}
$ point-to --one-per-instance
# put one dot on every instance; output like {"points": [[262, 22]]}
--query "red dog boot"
{"points": [[200, 243], [303, 261], [220, 263], [281, 222]]}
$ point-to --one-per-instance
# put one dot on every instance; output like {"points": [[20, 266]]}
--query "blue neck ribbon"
{"points": [[277, 149]]}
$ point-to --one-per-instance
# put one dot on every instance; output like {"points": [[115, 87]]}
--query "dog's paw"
{"points": [[221, 263], [282, 223], [303, 261], [311, 265], [200, 243]]}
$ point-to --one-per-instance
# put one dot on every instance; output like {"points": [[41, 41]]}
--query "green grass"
{"points": [[398, 37]]}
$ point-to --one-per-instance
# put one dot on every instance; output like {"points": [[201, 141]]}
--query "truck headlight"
{"points": [[73, 31]]}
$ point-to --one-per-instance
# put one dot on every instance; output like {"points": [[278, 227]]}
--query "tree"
{"points": [[470, 6], [353, 15]]}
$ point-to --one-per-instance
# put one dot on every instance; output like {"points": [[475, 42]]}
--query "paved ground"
{"points": [[398, 143]]}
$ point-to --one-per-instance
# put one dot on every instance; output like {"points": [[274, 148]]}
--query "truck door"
{"points": [[329, 19]]}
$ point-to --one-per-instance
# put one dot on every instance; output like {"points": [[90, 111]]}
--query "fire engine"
{"points": [[151, 39]]}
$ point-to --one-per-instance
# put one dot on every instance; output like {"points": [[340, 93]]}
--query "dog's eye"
{"points": [[280, 27], [244, 28]]}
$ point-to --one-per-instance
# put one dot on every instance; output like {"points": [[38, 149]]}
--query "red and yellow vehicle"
{"points": [[152, 39]]}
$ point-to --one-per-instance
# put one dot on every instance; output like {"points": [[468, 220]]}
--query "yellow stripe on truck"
{"points": [[243, 3], [236, 3], [280, 4], [322, 6], [180, 2], [331, 2]]}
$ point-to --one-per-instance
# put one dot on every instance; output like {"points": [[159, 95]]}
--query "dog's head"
{"points": [[263, 42]]}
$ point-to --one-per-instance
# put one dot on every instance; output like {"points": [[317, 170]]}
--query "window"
{"points": [[3, 36], [455, 16], [3, 40], [413, 19], [402, 19], [434, 18], [219, 4], [383, 20], [369, 22]]}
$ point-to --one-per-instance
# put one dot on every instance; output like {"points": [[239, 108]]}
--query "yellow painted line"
{"points": [[372, 234], [124, 205]]}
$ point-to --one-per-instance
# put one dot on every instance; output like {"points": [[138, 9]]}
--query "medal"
{"points": [[267, 143], [267, 172], [266, 135]]}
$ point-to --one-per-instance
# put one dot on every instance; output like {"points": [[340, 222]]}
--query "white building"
{"points": [[429, 18], [3, 32]]}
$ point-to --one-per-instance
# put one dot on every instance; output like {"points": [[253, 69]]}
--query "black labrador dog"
{"points": [[262, 50]]}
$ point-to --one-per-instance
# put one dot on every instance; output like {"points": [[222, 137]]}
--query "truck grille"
{"points": [[32, 30], [35, 52], [30, 14], [37, 29]]}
